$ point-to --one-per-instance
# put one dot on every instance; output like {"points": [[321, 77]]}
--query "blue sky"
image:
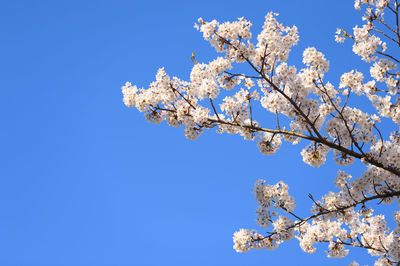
{"points": [[87, 181]]}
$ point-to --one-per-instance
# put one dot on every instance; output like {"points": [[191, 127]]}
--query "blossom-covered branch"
{"points": [[316, 112]]}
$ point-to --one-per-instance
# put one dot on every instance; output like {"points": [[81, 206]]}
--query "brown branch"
{"points": [[387, 55], [384, 34], [341, 209], [353, 244], [397, 22], [175, 90], [341, 115], [380, 135], [215, 111]]}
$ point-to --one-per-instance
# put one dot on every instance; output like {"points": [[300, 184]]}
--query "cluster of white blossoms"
{"points": [[366, 45], [271, 200], [269, 143], [314, 110], [315, 154], [315, 60]]}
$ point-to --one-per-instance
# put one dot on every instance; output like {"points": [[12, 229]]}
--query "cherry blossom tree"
{"points": [[315, 112]]}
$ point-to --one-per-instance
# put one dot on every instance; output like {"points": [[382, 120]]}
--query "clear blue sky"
{"points": [[86, 181]]}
